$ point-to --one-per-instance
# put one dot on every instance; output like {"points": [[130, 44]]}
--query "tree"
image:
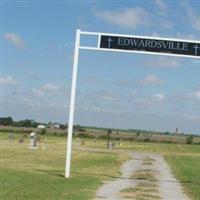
{"points": [[108, 137], [6, 121], [26, 123], [43, 131], [79, 128], [189, 139], [63, 126]]}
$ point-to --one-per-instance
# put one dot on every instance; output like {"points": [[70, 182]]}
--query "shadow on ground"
{"points": [[59, 173]]}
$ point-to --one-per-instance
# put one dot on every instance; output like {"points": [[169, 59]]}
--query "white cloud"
{"points": [[127, 18], [146, 102], [162, 62], [188, 36], [192, 117], [194, 18], [160, 97], [50, 88], [92, 108], [102, 96], [109, 96], [37, 92], [134, 93], [124, 82], [8, 81], [155, 34], [167, 24], [162, 8], [163, 11], [151, 80], [32, 75], [161, 5], [93, 79], [47, 89], [14, 39], [197, 94], [29, 101]]}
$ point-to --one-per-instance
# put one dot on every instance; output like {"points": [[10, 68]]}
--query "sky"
{"points": [[118, 90]]}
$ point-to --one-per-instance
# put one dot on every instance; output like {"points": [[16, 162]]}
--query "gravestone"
{"points": [[11, 136], [21, 140], [38, 139], [111, 145], [33, 141]]}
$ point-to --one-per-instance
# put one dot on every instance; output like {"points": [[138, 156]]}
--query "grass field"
{"points": [[187, 170], [39, 174]]}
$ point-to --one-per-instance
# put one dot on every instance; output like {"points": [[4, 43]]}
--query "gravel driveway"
{"points": [[145, 176]]}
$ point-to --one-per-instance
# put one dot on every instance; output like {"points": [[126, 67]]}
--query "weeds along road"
{"points": [[145, 176]]}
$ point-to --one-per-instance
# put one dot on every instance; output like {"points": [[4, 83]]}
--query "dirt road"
{"points": [[145, 176]]}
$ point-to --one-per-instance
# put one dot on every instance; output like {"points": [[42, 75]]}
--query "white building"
{"points": [[56, 125], [41, 126]]}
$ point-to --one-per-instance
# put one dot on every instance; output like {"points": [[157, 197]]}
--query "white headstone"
{"points": [[11, 136], [33, 144]]}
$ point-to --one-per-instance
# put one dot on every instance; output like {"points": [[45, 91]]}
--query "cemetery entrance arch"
{"points": [[128, 44]]}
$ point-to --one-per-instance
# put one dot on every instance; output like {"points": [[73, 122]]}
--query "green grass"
{"points": [[39, 174], [163, 148], [21, 185], [187, 170]]}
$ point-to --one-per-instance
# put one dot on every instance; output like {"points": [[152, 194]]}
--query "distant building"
{"points": [[41, 126], [176, 130], [56, 126]]}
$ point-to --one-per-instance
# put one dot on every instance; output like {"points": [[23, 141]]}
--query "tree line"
{"points": [[8, 121], [28, 123]]}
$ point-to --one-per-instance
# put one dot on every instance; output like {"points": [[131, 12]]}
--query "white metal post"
{"points": [[72, 103]]}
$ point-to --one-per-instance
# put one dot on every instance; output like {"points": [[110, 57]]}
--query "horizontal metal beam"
{"points": [[136, 51], [143, 37]]}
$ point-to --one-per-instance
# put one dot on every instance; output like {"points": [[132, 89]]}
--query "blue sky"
{"points": [[114, 89]]}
